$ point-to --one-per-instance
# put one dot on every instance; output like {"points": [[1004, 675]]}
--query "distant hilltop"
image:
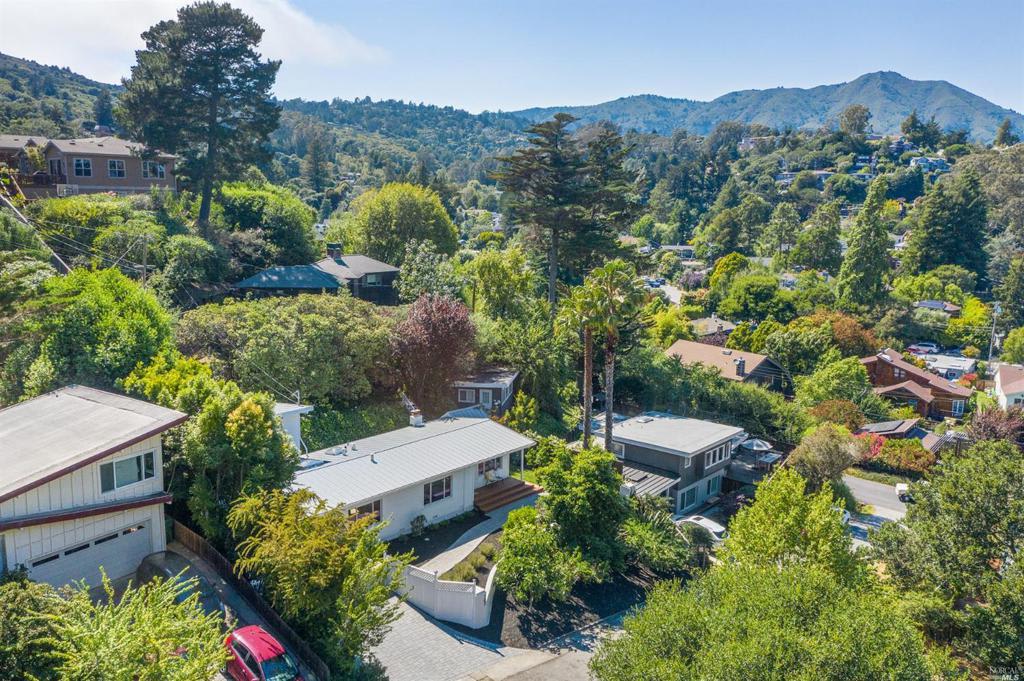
{"points": [[890, 97]]}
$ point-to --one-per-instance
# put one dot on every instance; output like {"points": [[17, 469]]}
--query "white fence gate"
{"points": [[460, 602]]}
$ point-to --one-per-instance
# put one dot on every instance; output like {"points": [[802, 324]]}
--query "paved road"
{"points": [[672, 292], [882, 497]]}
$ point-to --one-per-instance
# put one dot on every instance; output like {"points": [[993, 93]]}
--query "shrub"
{"points": [[842, 412], [488, 550], [533, 567], [904, 456]]}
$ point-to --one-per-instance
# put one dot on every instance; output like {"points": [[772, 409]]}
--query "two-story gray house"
{"points": [[680, 458]]}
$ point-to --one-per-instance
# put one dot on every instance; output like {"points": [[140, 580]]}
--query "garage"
{"points": [[119, 553]]}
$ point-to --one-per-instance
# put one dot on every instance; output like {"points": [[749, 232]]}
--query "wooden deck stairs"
{"points": [[497, 494]]}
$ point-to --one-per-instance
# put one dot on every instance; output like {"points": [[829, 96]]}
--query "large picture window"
{"points": [[124, 472], [151, 170], [437, 490], [115, 168], [83, 167]]}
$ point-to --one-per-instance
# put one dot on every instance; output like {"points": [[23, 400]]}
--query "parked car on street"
{"points": [[903, 492], [846, 514], [258, 656], [924, 348], [718, 533], [171, 565]]}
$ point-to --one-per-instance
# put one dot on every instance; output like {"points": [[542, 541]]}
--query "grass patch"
{"points": [[876, 476]]}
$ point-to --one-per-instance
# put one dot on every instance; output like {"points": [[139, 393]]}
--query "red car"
{"points": [[258, 656]]}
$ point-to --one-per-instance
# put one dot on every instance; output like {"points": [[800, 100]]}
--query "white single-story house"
{"points": [[291, 421], [949, 367], [82, 484], [436, 469], [1010, 385], [687, 459]]}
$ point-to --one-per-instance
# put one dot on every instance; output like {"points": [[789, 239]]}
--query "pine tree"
{"points": [[201, 90], [103, 108], [1005, 136], [818, 247], [951, 228], [1011, 293], [780, 233], [861, 278]]}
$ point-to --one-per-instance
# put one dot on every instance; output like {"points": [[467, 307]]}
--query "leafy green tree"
{"points": [[383, 221], [780, 233], [669, 324], [1013, 346], [846, 379], [284, 219], [995, 630], [533, 566], [617, 302], [785, 526], [1005, 137], [764, 622], [201, 90], [733, 229], [1011, 293], [503, 281], [103, 108], [155, 631], [800, 349], [27, 635], [426, 272], [523, 414], [823, 455], [817, 245], [584, 503], [853, 121], [757, 297], [965, 522], [861, 279], [951, 227], [325, 570], [94, 328], [189, 261], [324, 347]]}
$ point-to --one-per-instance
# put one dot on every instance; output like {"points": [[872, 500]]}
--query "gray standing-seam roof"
{"points": [[648, 480], [58, 432], [370, 468], [671, 433]]}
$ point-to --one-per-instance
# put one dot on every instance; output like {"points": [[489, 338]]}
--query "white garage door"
{"points": [[118, 552]]}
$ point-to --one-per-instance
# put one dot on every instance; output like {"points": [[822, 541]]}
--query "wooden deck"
{"points": [[497, 494]]}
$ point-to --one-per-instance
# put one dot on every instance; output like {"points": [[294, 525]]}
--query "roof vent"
{"points": [[644, 419], [726, 352]]}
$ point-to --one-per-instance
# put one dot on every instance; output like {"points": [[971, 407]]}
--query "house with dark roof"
{"points": [[930, 395], [939, 306], [362, 276], [735, 365], [82, 484], [491, 388]]}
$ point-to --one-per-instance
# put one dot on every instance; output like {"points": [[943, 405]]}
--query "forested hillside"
{"points": [[890, 97]]}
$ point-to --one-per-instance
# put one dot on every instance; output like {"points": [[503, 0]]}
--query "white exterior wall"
{"points": [[401, 506], [1007, 400], [76, 489]]}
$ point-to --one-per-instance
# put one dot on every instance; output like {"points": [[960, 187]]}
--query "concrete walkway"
{"points": [[473, 537]]}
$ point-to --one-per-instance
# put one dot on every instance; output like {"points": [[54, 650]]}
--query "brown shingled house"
{"points": [[930, 395], [735, 365]]}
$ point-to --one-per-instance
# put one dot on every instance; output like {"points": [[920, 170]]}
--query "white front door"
{"points": [[485, 397]]}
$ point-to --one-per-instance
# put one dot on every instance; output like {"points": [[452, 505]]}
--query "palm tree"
{"points": [[618, 297], [578, 313]]}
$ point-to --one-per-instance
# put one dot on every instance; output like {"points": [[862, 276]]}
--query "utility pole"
{"points": [[145, 256], [996, 311]]}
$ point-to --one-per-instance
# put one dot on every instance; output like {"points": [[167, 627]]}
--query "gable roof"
{"points": [[18, 142], [1011, 378], [709, 326], [890, 356], [919, 391], [329, 273], [59, 432], [671, 433], [372, 467], [724, 359], [940, 305], [102, 146]]}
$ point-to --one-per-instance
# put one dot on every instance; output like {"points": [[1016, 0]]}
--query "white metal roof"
{"points": [[284, 408], [50, 434], [668, 432], [368, 469]]}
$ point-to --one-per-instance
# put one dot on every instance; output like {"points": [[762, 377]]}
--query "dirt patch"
{"points": [[516, 624], [435, 538]]}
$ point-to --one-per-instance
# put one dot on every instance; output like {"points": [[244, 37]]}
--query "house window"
{"points": [[687, 460], [370, 509], [714, 485], [83, 167], [898, 373], [124, 472], [716, 455], [3, 555], [115, 168], [437, 490], [151, 170], [373, 280], [689, 498], [958, 407], [466, 396], [489, 465], [619, 449]]}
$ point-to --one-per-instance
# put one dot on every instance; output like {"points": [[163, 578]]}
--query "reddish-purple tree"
{"points": [[996, 424], [432, 347]]}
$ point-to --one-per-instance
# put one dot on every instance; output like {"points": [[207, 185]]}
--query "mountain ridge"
{"points": [[889, 95]]}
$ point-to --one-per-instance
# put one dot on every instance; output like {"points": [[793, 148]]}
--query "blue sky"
{"points": [[510, 55]]}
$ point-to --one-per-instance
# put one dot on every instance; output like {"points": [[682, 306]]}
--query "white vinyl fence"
{"points": [[460, 602]]}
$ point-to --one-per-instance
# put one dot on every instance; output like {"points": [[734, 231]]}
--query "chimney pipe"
{"points": [[741, 366], [334, 249], [416, 418]]}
